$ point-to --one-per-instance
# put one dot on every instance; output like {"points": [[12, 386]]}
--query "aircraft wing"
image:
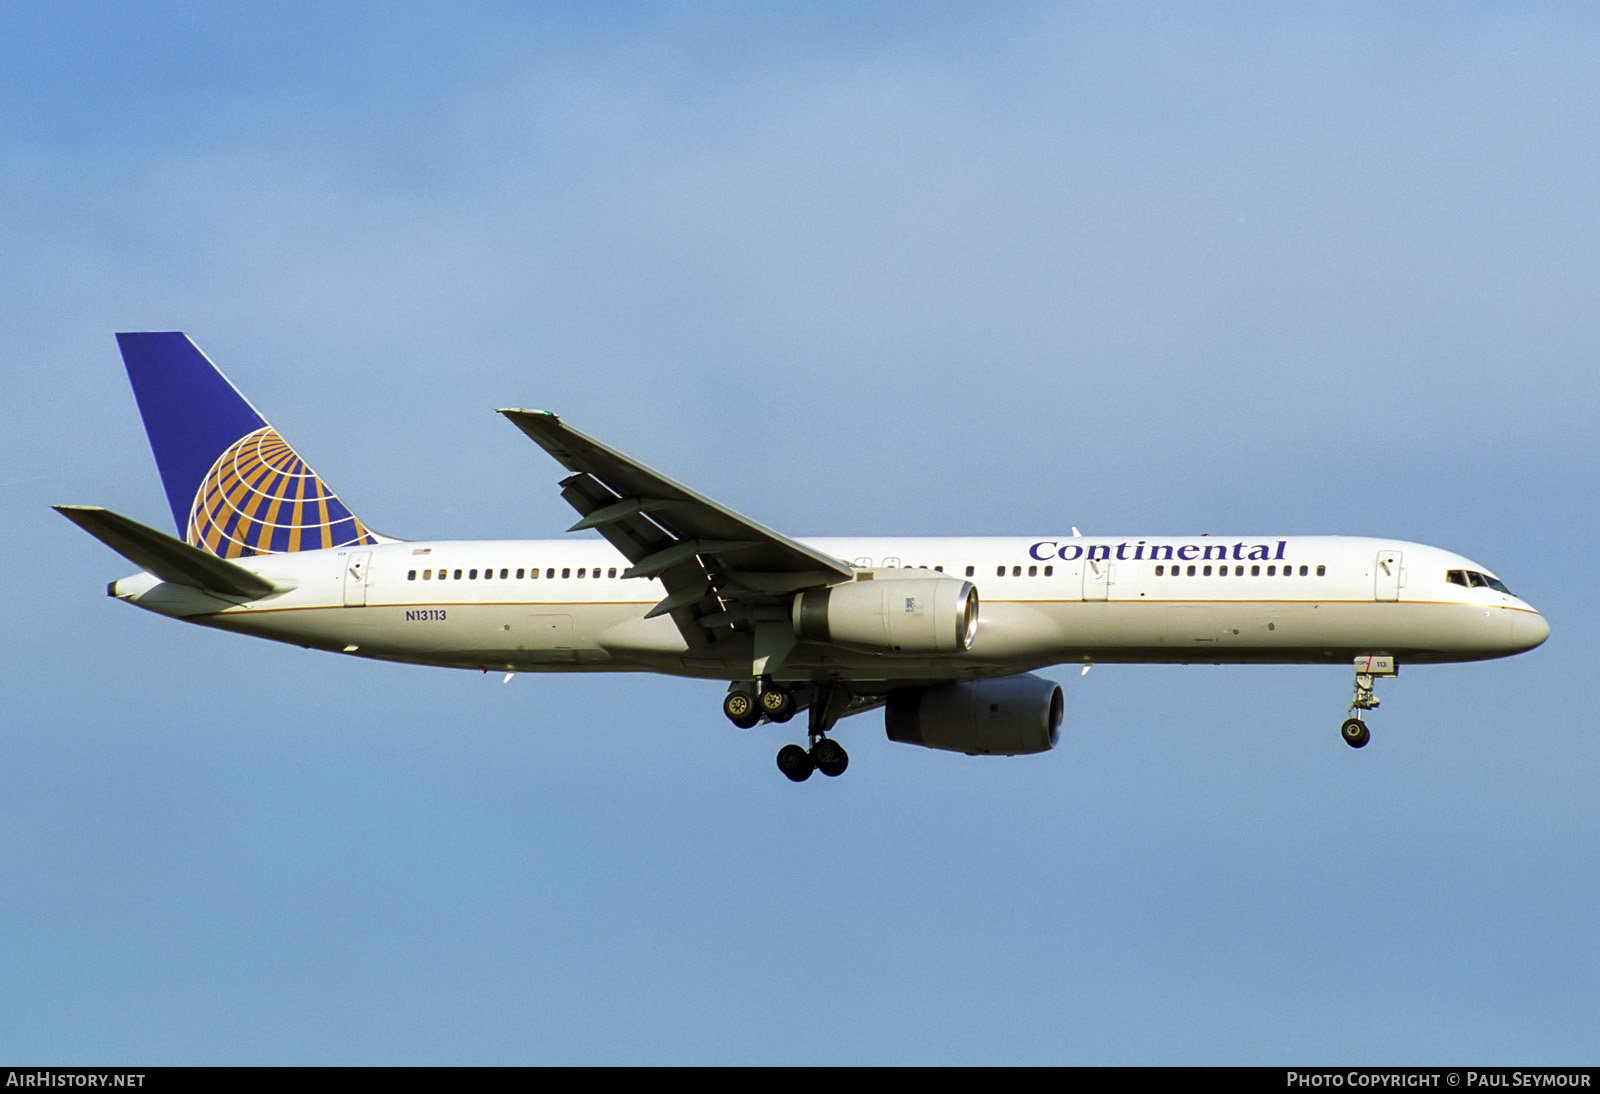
{"points": [[721, 569]]}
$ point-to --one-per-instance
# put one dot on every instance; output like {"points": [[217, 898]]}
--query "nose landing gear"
{"points": [[1354, 730]]}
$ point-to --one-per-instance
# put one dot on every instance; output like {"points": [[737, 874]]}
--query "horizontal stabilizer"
{"points": [[162, 556]]}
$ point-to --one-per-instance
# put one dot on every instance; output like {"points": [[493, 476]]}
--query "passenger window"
{"points": [[1322, 571], [566, 571], [504, 573], [939, 569], [1016, 571], [1303, 571], [581, 572], [1191, 570], [1160, 570], [1048, 570], [427, 575], [519, 573], [969, 571], [1206, 572], [1272, 571], [458, 574], [611, 572], [1255, 571], [596, 572], [550, 573], [1033, 571], [411, 575], [999, 571], [534, 573]]}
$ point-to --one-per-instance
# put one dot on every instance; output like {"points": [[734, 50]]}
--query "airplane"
{"points": [[679, 584]]}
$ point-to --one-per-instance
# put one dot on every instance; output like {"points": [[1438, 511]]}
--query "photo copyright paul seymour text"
{"points": [[1471, 1079]]}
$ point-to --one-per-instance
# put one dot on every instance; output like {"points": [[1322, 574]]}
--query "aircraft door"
{"points": [[1096, 578], [1386, 582], [355, 578]]}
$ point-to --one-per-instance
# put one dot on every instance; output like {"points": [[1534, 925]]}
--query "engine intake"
{"points": [[891, 614], [1009, 716]]}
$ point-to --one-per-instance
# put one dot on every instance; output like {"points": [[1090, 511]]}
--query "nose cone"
{"points": [[1528, 629]]}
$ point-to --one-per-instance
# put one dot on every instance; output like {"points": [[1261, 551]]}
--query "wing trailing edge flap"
{"points": [[169, 559], [715, 563]]}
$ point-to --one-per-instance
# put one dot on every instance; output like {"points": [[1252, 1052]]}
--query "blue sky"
{"points": [[920, 269]]}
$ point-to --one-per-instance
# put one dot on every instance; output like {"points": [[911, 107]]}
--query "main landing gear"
{"points": [[741, 709], [827, 706], [827, 756], [746, 704], [776, 702], [1354, 730]]}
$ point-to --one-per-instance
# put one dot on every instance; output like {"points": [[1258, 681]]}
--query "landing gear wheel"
{"points": [[795, 762], [830, 757], [776, 703], [741, 709], [1355, 732]]}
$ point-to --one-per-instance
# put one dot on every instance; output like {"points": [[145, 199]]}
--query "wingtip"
{"points": [[509, 411]]}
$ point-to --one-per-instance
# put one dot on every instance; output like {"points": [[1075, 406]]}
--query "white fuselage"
{"points": [[1044, 601]]}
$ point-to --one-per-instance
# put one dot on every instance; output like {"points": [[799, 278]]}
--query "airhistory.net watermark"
{"points": [[41, 1077]]}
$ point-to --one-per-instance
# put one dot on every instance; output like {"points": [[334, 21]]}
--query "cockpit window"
{"points": [[1472, 579]]}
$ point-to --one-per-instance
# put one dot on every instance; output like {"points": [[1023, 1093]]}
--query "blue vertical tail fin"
{"points": [[235, 486]]}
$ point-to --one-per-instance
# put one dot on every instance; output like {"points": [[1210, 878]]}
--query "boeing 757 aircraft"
{"points": [[944, 634]]}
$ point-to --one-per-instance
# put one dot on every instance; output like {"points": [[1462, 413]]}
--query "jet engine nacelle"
{"points": [[1009, 716], [888, 613]]}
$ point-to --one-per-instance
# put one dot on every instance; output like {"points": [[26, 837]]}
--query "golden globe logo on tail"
{"points": [[261, 498]]}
